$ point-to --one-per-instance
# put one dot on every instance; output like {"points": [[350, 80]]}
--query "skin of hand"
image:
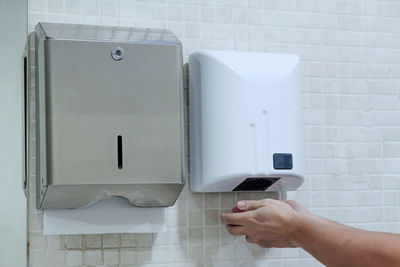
{"points": [[274, 223], [267, 222], [304, 211]]}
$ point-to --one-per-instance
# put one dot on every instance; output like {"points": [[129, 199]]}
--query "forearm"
{"points": [[304, 211], [337, 245], [326, 221]]}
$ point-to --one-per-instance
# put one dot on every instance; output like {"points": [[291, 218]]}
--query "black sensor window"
{"points": [[283, 161]]}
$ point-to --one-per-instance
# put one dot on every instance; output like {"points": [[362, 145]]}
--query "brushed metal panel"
{"points": [[106, 33], [87, 99], [137, 98], [147, 195]]}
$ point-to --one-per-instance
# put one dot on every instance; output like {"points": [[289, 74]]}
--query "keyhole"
{"points": [[117, 53]]}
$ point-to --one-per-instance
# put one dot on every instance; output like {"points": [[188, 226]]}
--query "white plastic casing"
{"points": [[244, 107]]}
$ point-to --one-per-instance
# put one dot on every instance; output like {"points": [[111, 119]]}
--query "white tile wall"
{"points": [[350, 52]]}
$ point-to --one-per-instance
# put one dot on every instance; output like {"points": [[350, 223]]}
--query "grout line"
{"points": [[295, 46]]}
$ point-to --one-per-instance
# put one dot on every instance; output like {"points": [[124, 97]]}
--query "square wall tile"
{"points": [[350, 105]]}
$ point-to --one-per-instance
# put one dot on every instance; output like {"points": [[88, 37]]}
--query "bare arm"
{"points": [[335, 245], [304, 211], [273, 223]]}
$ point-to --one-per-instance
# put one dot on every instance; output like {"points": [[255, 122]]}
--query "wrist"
{"points": [[299, 225]]}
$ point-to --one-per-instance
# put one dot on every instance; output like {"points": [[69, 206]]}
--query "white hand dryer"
{"points": [[246, 129]]}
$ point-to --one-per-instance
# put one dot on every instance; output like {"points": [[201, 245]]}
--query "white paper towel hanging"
{"points": [[112, 215]]}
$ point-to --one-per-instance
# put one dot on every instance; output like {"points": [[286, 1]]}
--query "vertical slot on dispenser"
{"points": [[26, 123], [119, 147]]}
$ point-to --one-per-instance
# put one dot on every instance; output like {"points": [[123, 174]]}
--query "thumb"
{"points": [[245, 205]]}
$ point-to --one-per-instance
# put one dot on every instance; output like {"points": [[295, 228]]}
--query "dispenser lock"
{"points": [[117, 53]]}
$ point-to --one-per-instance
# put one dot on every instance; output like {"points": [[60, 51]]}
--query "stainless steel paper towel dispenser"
{"points": [[109, 115]]}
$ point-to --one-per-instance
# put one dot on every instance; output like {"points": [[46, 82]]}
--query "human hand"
{"points": [[268, 222], [298, 207]]}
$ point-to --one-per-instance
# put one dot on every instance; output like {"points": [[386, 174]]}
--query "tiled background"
{"points": [[350, 52]]}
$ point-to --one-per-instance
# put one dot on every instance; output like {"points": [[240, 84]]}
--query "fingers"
{"points": [[235, 210], [234, 218], [297, 207], [236, 230], [292, 204], [245, 205]]}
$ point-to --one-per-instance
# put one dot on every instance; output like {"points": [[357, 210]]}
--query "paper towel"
{"points": [[112, 215]]}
